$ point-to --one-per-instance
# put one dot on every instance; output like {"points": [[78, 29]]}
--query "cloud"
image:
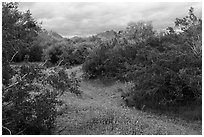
{"points": [[85, 18]]}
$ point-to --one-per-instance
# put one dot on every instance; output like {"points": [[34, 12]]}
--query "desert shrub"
{"points": [[66, 53], [7, 72], [35, 53], [59, 79], [29, 101], [73, 55], [112, 58], [94, 64], [171, 77], [166, 69], [19, 57], [18, 31], [164, 79], [29, 97], [53, 53], [80, 54]]}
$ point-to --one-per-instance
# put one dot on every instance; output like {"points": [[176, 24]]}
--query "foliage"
{"points": [[166, 69], [18, 30], [171, 77], [74, 54], [7, 72], [139, 31], [94, 63], [167, 82], [53, 53], [29, 101], [67, 53], [112, 58], [29, 94], [35, 53]]}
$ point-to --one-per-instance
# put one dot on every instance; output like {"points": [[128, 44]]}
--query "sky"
{"points": [[89, 18]]}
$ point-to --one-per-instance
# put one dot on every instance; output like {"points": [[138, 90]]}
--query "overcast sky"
{"points": [[87, 18]]}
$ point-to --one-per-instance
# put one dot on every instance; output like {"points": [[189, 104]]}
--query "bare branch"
{"points": [[13, 56], [7, 130], [21, 131], [15, 83], [60, 63], [45, 62]]}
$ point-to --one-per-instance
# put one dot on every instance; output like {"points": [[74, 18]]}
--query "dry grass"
{"points": [[100, 111]]}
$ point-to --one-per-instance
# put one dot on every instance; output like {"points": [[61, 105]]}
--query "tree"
{"points": [[172, 76], [139, 31], [192, 32], [35, 54], [186, 22], [18, 30]]}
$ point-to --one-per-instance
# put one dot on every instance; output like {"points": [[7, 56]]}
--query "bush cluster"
{"points": [[30, 93], [64, 53], [29, 100], [165, 68]]}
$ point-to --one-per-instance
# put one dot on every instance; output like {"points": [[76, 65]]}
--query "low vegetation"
{"points": [[164, 70], [30, 91]]}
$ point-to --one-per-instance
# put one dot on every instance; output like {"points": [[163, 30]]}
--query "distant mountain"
{"points": [[75, 38], [55, 35], [107, 35], [47, 38], [50, 35]]}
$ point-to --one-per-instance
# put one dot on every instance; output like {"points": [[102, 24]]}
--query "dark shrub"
{"points": [[53, 54], [29, 101], [35, 54]]}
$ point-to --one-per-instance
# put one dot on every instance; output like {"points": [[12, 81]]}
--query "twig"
{"points": [[8, 122], [13, 56], [7, 129], [143, 107], [21, 131], [45, 62], [60, 63], [7, 104], [15, 83], [61, 130]]}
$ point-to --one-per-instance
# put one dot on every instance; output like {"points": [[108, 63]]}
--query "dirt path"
{"points": [[100, 110]]}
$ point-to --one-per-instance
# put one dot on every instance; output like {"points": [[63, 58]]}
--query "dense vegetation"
{"points": [[30, 92], [165, 68]]}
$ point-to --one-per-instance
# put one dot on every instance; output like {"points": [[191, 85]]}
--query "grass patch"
{"points": [[86, 119], [100, 112]]}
